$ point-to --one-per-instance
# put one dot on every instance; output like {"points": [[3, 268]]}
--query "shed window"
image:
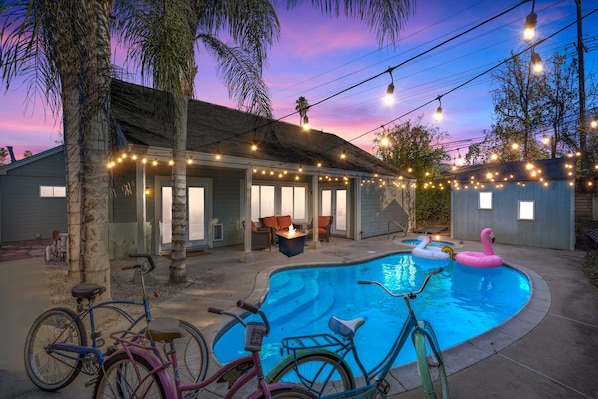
{"points": [[52, 191], [485, 200], [526, 210]]}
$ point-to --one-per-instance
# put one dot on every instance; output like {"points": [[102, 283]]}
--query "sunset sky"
{"points": [[319, 57]]}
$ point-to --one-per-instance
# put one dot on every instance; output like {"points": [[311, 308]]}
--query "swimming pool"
{"points": [[461, 303]]}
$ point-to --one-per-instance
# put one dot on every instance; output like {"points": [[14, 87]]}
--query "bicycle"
{"points": [[319, 361], [137, 370], [57, 347]]}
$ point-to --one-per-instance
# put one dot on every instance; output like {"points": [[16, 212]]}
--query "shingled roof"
{"points": [[548, 169], [214, 128]]}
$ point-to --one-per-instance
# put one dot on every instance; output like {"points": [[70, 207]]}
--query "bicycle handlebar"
{"points": [[410, 294], [148, 257], [245, 306]]}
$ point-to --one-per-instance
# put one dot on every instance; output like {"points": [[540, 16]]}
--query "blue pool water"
{"points": [[461, 302]]}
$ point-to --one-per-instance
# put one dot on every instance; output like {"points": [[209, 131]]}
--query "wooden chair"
{"points": [[324, 228], [260, 237]]}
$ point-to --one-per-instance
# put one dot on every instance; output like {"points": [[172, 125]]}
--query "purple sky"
{"points": [[318, 57]]}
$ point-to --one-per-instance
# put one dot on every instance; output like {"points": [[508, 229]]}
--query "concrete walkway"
{"points": [[549, 350]]}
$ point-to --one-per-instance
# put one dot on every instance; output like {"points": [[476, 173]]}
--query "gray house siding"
{"points": [[552, 226], [24, 214], [381, 205], [227, 206]]}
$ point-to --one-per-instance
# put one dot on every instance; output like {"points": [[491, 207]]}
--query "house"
{"points": [[292, 172], [529, 203], [32, 197]]}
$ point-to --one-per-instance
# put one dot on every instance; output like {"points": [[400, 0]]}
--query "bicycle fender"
{"points": [[298, 353]]}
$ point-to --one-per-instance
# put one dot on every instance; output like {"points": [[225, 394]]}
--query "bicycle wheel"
{"points": [[430, 363], [124, 378], [296, 392], [52, 370], [321, 372], [192, 354]]}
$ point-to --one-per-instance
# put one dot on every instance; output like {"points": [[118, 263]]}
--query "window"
{"points": [[485, 201], [271, 200], [262, 201], [292, 202], [526, 210], [52, 191]]}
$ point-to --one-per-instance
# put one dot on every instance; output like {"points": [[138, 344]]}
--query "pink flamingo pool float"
{"points": [[481, 259]]}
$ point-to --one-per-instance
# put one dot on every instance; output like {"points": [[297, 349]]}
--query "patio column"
{"points": [[247, 256], [315, 211], [141, 205]]}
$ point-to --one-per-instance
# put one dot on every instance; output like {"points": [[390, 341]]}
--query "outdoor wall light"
{"points": [[148, 191]]}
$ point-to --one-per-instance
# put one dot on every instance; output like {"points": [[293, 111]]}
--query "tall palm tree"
{"points": [[161, 36], [302, 106], [56, 44]]}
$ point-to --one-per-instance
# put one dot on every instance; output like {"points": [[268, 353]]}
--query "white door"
{"points": [[197, 218], [334, 203]]}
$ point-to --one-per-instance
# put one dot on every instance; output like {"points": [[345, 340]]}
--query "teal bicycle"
{"points": [[319, 362]]}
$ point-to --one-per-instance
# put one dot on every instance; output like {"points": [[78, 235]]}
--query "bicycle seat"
{"points": [[345, 328], [164, 329], [87, 290]]}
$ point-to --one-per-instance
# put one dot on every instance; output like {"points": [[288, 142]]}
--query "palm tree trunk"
{"points": [[178, 266]]}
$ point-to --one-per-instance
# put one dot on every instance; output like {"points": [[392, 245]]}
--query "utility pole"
{"points": [[582, 89]]}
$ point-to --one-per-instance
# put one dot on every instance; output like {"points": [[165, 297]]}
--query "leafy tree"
{"points": [[417, 148], [27, 154]]}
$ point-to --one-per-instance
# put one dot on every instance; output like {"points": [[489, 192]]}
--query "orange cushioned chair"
{"points": [[271, 223], [324, 227], [260, 238], [284, 222]]}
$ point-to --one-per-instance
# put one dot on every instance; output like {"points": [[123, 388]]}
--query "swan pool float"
{"points": [[481, 259], [425, 251]]}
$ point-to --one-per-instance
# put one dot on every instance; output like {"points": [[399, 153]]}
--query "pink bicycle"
{"points": [[138, 370]]}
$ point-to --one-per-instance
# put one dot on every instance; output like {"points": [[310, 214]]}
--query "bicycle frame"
{"points": [[64, 349], [243, 369]]}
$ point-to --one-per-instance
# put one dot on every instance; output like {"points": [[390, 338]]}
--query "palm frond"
{"points": [[241, 76]]}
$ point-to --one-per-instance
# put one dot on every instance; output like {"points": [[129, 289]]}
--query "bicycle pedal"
{"points": [[383, 386], [100, 342], [110, 350]]}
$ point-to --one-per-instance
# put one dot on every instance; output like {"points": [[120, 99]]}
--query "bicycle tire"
{"points": [[430, 363], [51, 372], [296, 392], [310, 369], [117, 378], [192, 354]]}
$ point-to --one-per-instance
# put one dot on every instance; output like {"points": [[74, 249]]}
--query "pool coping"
{"points": [[458, 357]]}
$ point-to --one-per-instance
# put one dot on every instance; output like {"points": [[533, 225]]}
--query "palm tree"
{"points": [[57, 45], [302, 107], [161, 36]]}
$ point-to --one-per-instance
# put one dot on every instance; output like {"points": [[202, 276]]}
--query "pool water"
{"points": [[434, 243], [461, 303]]}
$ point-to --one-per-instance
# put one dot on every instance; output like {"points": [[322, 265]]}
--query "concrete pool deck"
{"points": [[548, 350]]}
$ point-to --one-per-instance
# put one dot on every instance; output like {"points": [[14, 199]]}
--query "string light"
{"points": [[530, 26], [537, 62], [389, 98], [438, 113]]}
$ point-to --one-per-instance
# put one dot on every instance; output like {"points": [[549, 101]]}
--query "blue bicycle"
{"points": [[319, 361], [57, 347]]}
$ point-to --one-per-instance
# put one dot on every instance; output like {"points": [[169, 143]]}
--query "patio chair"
{"points": [[260, 237], [324, 228]]}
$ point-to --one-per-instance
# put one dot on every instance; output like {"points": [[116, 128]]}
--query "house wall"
{"points": [[24, 215], [554, 207], [381, 205]]}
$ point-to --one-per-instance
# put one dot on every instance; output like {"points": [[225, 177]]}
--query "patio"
{"points": [[546, 351]]}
